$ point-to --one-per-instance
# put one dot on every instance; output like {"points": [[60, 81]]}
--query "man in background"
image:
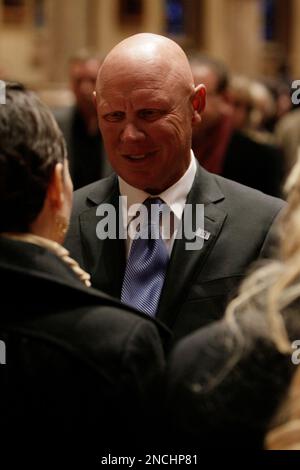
{"points": [[222, 149], [88, 161]]}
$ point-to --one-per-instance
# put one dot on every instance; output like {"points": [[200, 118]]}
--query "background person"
{"points": [[287, 133], [78, 123], [234, 381], [221, 148], [79, 365]]}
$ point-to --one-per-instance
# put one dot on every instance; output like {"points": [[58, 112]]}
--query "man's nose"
{"points": [[131, 133]]}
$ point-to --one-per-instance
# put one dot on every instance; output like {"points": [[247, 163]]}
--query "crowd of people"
{"points": [[161, 334]]}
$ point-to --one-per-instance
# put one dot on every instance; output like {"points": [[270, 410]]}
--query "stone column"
{"points": [[111, 31], [215, 30], [232, 32], [67, 22], [154, 16], [246, 36]]}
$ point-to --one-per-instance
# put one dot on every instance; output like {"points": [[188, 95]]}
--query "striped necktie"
{"points": [[147, 263]]}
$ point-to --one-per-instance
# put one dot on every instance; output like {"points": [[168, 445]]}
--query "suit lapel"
{"points": [[184, 264], [105, 258]]}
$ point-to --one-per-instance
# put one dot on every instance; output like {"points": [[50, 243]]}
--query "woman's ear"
{"points": [[199, 99], [55, 191]]}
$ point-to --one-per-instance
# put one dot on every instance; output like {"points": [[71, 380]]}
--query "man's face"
{"points": [[145, 120], [83, 75]]}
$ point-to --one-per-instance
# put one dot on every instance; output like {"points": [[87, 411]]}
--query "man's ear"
{"points": [[199, 99], [55, 192]]}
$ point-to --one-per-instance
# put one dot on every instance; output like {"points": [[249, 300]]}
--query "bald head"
{"points": [[149, 54], [147, 104]]}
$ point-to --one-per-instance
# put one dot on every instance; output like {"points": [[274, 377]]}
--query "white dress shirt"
{"points": [[175, 197]]}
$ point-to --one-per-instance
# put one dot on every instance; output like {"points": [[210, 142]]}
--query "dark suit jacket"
{"points": [[198, 283], [80, 368], [223, 388]]}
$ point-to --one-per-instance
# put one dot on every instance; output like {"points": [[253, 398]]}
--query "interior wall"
{"points": [[229, 29], [111, 30]]}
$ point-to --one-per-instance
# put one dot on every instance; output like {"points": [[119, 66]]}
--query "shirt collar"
{"points": [[175, 196]]}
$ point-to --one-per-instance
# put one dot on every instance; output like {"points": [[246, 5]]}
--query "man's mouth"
{"points": [[137, 157]]}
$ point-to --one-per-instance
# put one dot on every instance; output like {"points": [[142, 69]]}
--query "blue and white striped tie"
{"points": [[146, 266]]}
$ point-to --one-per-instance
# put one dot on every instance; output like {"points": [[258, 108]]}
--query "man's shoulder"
{"points": [[248, 195], [92, 330], [235, 196], [251, 208], [93, 194], [111, 318]]}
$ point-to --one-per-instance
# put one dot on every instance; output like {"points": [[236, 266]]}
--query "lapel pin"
{"points": [[203, 234]]}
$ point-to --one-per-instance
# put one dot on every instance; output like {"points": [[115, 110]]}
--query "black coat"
{"points": [[80, 367], [224, 387], [255, 164], [198, 282]]}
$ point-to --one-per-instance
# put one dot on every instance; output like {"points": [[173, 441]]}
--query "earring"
{"points": [[61, 227]]}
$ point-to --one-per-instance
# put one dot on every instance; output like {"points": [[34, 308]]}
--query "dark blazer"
{"points": [[198, 283], [224, 387], [80, 367]]}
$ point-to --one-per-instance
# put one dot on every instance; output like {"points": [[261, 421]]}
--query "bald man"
{"points": [[147, 105]]}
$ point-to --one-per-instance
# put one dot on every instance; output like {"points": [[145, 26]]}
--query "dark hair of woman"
{"points": [[29, 151]]}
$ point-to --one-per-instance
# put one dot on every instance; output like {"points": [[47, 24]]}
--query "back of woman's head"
{"points": [[30, 146]]}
